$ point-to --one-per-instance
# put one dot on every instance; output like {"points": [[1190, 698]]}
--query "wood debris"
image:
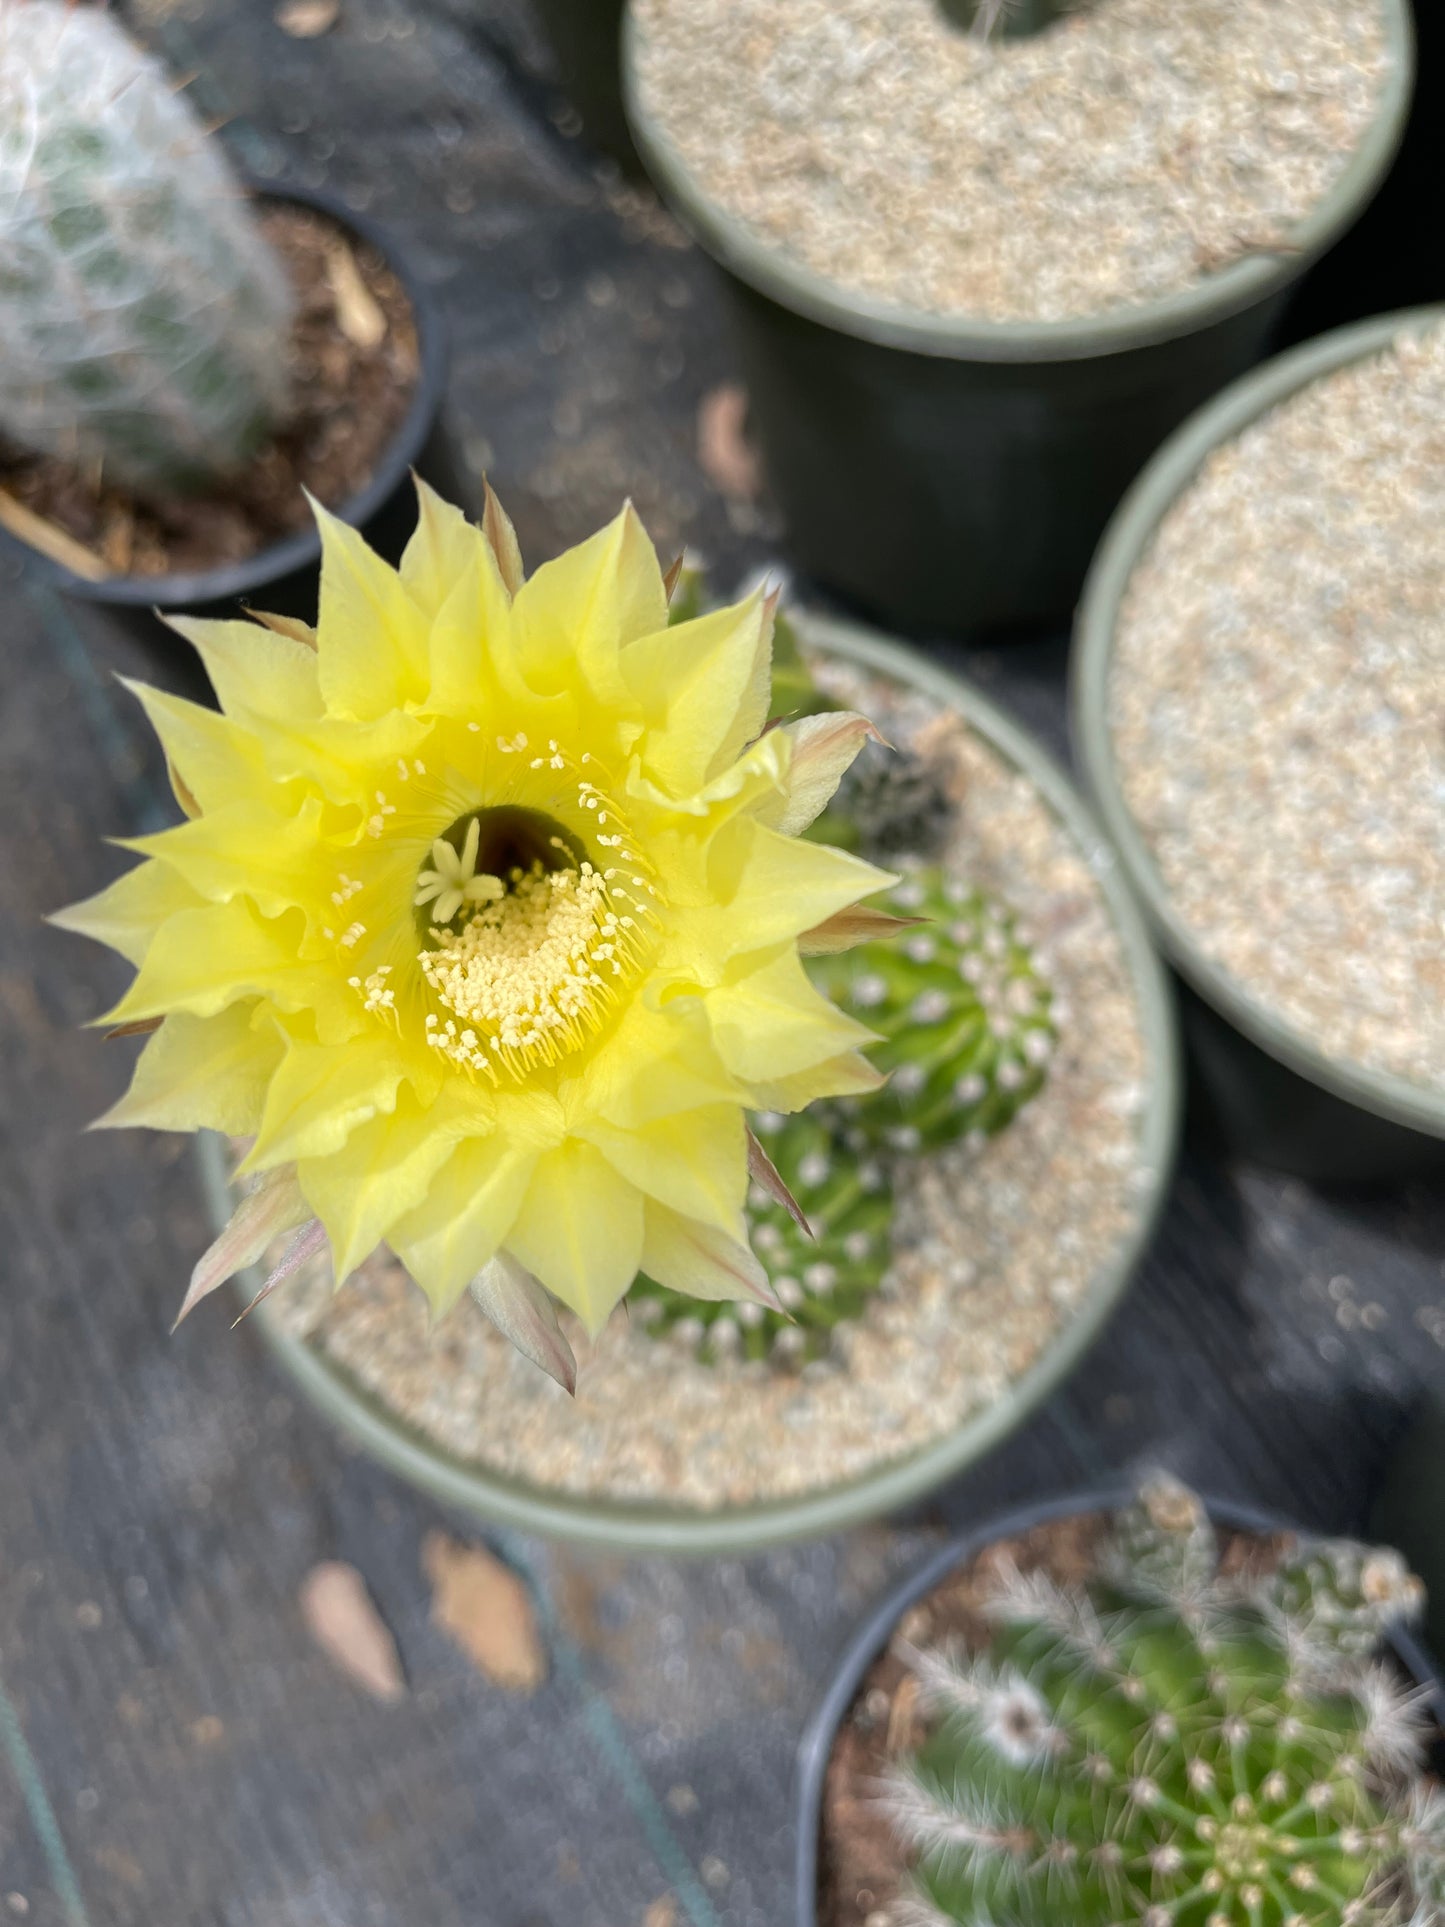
{"points": [[358, 312], [42, 534], [307, 19], [487, 1610], [345, 1624]]}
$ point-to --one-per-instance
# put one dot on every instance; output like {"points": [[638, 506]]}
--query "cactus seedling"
{"points": [[142, 320], [820, 1281], [964, 1016], [1177, 1747]]}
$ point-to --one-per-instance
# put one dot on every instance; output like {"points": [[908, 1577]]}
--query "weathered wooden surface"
{"points": [[174, 1748]]}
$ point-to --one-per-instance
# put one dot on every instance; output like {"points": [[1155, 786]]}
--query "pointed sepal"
{"points": [[273, 1206], [524, 1311]]}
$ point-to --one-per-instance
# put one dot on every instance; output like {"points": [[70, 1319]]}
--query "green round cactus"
{"points": [[821, 1281], [964, 1015], [1177, 1747], [143, 321]]}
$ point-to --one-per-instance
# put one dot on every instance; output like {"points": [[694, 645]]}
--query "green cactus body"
{"points": [[821, 1281], [1175, 1749], [143, 322], [963, 1013]]}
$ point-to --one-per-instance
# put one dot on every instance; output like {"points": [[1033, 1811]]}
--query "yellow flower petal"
{"points": [[216, 855], [468, 1209], [575, 614], [317, 1098], [386, 1168], [655, 1064], [256, 673], [696, 1162], [703, 690], [442, 549], [698, 1260], [848, 1075], [823, 748], [201, 1074], [218, 761], [371, 637], [214, 955], [128, 913], [765, 888], [580, 1230], [773, 1023]]}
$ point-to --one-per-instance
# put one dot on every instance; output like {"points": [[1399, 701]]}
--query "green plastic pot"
{"points": [[638, 1527], [954, 477], [1278, 1098]]}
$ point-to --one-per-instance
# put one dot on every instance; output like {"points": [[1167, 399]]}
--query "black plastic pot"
{"points": [[953, 477], [586, 41], [1395, 256], [284, 576], [878, 1629], [1409, 1510], [1275, 1095]]}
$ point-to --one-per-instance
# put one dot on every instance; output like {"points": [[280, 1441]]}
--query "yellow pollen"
{"points": [[523, 974]]}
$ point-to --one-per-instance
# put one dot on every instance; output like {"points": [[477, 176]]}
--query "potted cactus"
{"points": [[986, 254], [1285, 541], [1139, 1711], [177, 365], [932, 1243]]}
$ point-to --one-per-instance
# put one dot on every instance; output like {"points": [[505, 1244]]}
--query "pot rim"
{"points": [[233, 581], [1171, 471], [640, 1527], [1242, 284], [816, 1747]]}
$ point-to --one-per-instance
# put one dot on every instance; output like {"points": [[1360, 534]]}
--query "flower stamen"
{"points": [[524, 975]]}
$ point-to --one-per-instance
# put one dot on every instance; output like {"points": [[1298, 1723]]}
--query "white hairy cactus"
{"points": [[143, 320]]}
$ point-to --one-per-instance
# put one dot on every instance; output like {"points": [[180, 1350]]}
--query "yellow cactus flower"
{"points": [[484, 924]]}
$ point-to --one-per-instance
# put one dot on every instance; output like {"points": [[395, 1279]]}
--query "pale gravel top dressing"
{"points": [[1118, 157], [1277, 710], [996, 1249]]}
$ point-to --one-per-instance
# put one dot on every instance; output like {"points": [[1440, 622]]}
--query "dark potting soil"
{"points": [[861, 1869], [354, 363]]}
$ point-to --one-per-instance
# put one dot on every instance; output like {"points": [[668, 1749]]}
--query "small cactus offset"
{"points": [[890, 803], [143, 322], [821, 1281], [963, 1012], [1177, 1747]]}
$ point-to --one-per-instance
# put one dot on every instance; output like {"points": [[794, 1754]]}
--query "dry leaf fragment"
{"points": [[42, 534], [487, 1610], [358, 312], [345, 1624], [723, 450], [307, 19]]}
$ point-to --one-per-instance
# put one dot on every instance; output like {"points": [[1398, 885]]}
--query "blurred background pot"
{"points": [[585, 37], [284, 576], [954, 477], [1276, 1096], [874, 1636], [892, 1483]]}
